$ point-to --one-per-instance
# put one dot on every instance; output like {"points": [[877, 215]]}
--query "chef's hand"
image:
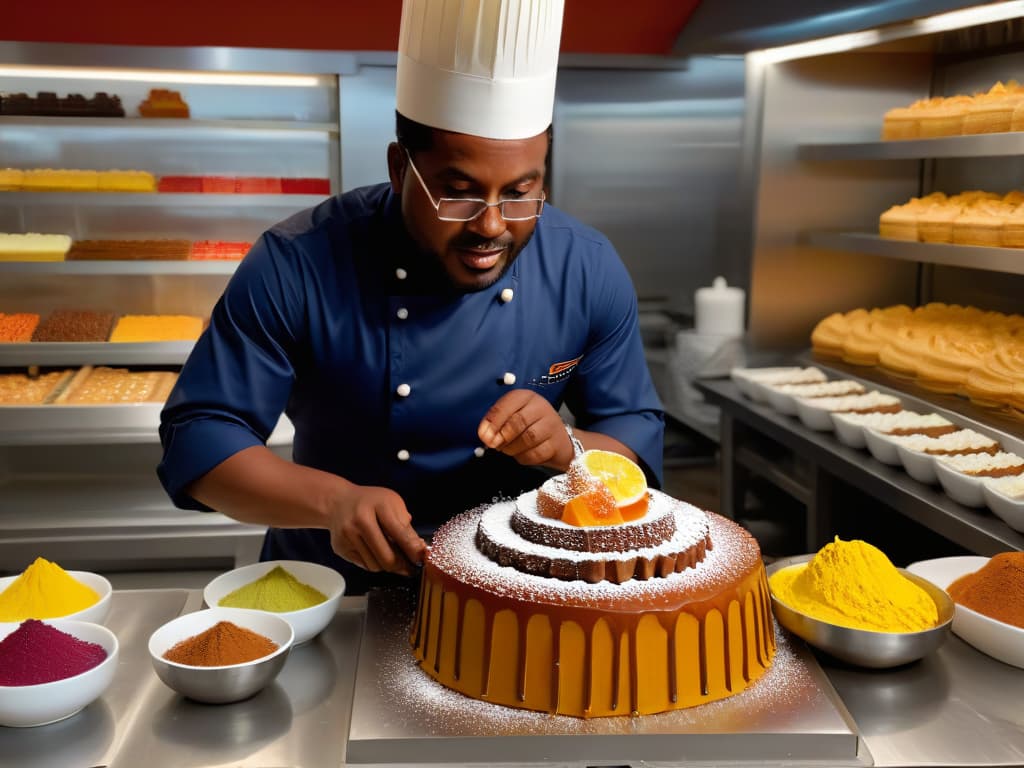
{"points": [[371, 527], [525, 426]]}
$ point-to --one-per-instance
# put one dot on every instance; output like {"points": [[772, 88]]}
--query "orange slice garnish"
{"points": [[622, 477]]}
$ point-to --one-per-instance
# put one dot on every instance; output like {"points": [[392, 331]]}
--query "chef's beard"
{"points": [[472, 242]]}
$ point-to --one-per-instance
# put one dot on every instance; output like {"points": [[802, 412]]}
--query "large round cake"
{"points": [[663, 608]]}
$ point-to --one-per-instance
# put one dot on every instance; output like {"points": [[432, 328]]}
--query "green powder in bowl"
{"points": [[277, 591]]}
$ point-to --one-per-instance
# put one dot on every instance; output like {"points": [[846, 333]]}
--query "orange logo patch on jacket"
{"points": [[558, 372]]}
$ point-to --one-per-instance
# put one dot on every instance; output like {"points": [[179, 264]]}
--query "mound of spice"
{"points": [[995, 590], [277, 590], [853, 584], [44, 590], [37, 652], [222, 645]]}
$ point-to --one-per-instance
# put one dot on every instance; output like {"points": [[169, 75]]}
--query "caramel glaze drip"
{"points": [[623, 623]]}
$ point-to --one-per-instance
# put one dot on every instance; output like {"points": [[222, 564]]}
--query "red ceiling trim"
{"points": [[647, 27]]}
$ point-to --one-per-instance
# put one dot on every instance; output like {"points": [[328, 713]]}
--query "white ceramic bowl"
{"points": [[754, 382], [848, 432], [882, 446], [783, 402], [95, 613], [1001, 641], [962, 488], [918, 464], [220, 685], [813, 416], [29, 705], [1009, 509], [308, 622]]}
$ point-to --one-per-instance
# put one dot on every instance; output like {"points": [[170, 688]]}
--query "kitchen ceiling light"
{"points": [[161, 76]]}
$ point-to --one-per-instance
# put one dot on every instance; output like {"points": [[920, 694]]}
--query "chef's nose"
{"points": [[489, 224]]}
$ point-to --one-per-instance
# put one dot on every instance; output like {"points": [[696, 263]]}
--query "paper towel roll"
{"points": [[718, 310]]}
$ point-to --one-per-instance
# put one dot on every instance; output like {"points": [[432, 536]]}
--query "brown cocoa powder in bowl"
{"points": [[995, 590], [221, 645]]}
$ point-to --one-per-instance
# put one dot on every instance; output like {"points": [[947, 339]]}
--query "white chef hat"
{"points": [[482, 67]]}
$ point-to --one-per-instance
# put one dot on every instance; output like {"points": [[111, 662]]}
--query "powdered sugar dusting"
{"points": [[733, 554], [885, 422]]}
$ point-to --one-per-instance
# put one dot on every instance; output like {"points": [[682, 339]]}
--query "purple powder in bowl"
{"points": [[38, 653]]}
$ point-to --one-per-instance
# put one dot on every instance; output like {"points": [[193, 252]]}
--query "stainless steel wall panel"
{"points": [[651, 158], [840, 97]]}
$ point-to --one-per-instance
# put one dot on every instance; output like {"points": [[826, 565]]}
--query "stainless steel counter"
{"points": [[955, 708]]}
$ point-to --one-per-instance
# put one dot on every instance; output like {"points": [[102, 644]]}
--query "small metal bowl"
{"points": [[862, 647], [220, 685]]}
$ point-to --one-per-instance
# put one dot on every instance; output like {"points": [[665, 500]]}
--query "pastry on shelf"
{"points": [[213, 250], [258, 185], [944, 119], [982, 223], [110, 386], [11, 178], [900, 221], [905, 122], [869, 332], [949, 355], [180, 184], [126, 181], [990, 384], [163, 102], [60, 180], [75, 325], [20, 389], [33, 246], [18, 326], [829, 334], [304, 186], [146, 328], [992, 112], [129, 250], [48, 104]]}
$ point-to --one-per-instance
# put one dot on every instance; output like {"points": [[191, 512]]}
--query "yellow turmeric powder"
{"points": [[44, 590], [853, 584]]}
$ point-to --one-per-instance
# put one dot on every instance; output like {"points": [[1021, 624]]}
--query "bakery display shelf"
{"points": [[97, 425], [174, 200], [990, 258], [94, 353], [976, 530], [112, 267], [88, 505], [176, 125], [980, 145]]}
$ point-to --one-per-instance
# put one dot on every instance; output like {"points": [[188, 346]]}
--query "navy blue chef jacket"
{"points": [[334, 309]]}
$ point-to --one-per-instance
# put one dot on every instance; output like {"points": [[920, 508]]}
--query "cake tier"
{"points": [[593, 650], [654, 528], [686, 546]]}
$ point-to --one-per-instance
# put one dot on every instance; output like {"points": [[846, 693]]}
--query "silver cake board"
{"points": [[400, 716]]}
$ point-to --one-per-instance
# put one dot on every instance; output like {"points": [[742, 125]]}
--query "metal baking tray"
{"points": [[401, 716]]}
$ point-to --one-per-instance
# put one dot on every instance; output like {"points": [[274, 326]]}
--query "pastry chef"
{"points": [[422, 335]]}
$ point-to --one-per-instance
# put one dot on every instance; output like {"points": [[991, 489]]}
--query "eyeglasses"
{"points": [[469, 208]]}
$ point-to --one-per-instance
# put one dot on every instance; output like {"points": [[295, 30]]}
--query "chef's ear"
{"points": [[396, 166]]}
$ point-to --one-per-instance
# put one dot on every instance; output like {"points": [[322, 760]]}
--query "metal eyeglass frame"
{"points": [[484, 205]]}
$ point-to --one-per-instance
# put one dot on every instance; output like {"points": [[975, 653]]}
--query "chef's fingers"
{"points": [[397, 526], [366, 550], [503, 421]]}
